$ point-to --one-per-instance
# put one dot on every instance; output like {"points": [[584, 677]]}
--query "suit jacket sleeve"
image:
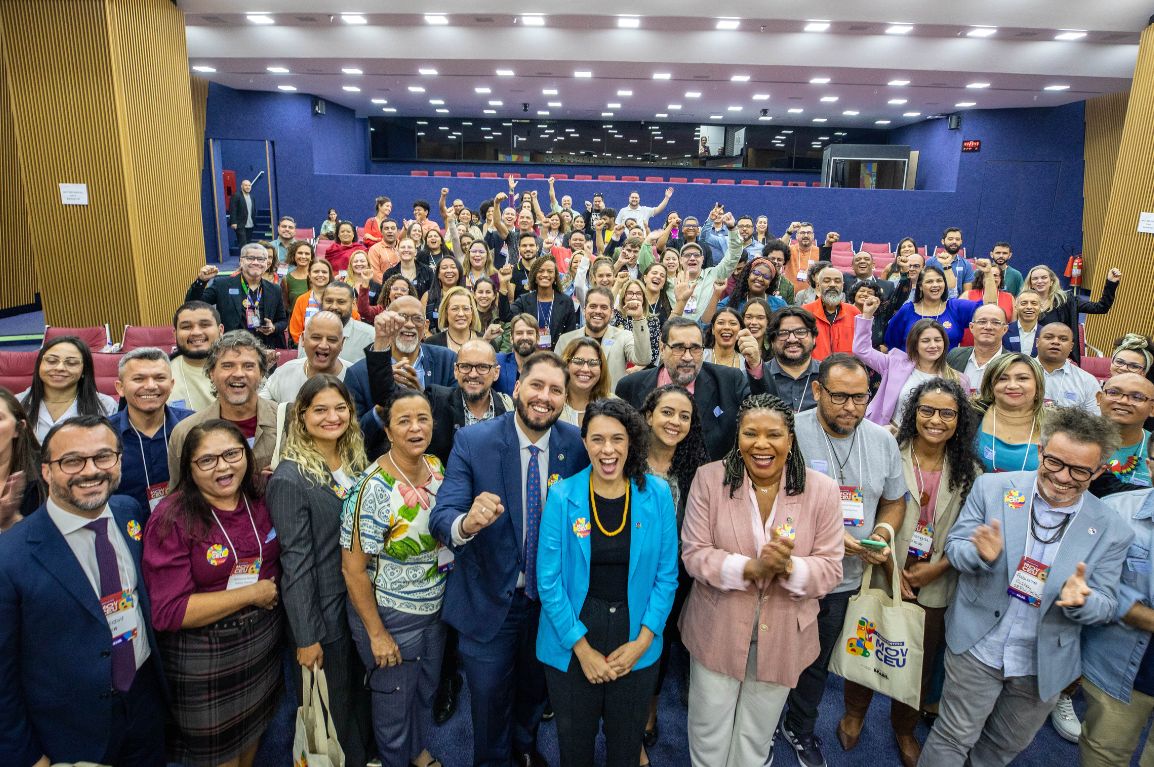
{"points": [[197, 290], [568, 319], [703, 560], [16, 738], [457, 491], [555, 605], [743, 386], [277, 312], [1103, 577], [638, 345], [824, 561], [960, 550], [665, 585], [379, 366], [288, 504]]}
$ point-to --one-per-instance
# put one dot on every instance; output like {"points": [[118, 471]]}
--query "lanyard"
{"points": [[841, 465], [144, 458], [255, 534], [994, 434]]}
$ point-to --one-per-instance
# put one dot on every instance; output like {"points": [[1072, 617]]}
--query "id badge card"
{"points": [[156, 493], [445, 558], [691, 305], [246, 572], [922, 542], [802, 275], [251, 318], [1029, 581], [852, 506], [544, 341], [120, 611]]}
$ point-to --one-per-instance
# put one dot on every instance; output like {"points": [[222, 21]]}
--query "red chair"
{"points": [[678, 180], [561, 176], [655, 179], [137, 336], [606, 178], [726, 181], [703, 181], [750, 182], [877, 248], [512, 175], [443, 173], [842, 246], [841, 260], [487, 174], [774, 182], [322, 247], [97, 337], [582, 177], [922, 250], [816, 183], [630, 178], [305, 234], [106, 367], [465, 174], [285, 355], [1099, 367], [16, 370], [418, 173], [535, 175], [360, 234], [797, 183]]}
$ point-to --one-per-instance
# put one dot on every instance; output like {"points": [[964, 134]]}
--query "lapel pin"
{"points": [[1093, 531], [560, 456]]}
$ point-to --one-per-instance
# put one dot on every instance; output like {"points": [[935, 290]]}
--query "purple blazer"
{"points": [[894, 366]]}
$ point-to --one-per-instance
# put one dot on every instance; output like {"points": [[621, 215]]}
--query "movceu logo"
{"points": [[869, 641]]}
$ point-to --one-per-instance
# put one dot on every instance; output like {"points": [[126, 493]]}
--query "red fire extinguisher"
{"points": [[1074, 271]]}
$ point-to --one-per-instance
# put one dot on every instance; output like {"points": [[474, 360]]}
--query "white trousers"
{"points": [[731, 722]]}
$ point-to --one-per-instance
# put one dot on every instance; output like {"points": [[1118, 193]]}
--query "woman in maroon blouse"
{"points": [[211, 560]]}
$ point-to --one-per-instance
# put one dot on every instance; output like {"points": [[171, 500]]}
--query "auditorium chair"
{"points": [[678, 180], [106, 367], [560, 176], [726, 181], [303, 233], [285, 355], [582, 177], [418, 173], [443, 173], [1099, 367], [774, 182], [488, 174], [535, 175], [797, 183], [842, 246], [703, 181], [322, 247], [655, 179], [877, 248], [98, 337], [464, 174], [750, 182], [16, 370], [630, 178], [136, 336]]}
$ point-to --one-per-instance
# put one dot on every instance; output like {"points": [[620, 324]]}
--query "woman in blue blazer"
{"points": [[606, 575]]}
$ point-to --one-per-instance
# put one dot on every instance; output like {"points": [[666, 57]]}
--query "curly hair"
{"points": [[795, 463], [690, 453], [636, 459], [741, 288], [299, 445], [960, 454], [383, 296]]}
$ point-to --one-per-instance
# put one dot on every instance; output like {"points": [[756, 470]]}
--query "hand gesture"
{"points": [[634, 307], [729, 220], [621, 278], [682, 289], [982, 265], [595, 666], [749, 348], [793, 227], [501, 197], [485, 511], [831, 238], [406, 375], [444, 192], [719, 287], [776, 553], [869, 305], [386, 325], [624, 657], [512, 184], [551, 182], [493, 331], [10, 499], [599, 223], [312, 656], [385, 650], [668, 192], [716, 213], [674, 220], [207, 272], [533, 194], [919, 574], [1074, 590], [1114, 275], [266, 327], [988, 541], [506, 272], [263, 594], [618, 230], [907, 587]]}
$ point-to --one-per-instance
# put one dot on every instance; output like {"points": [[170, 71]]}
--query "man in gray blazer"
{"points": [[1038, 558]]}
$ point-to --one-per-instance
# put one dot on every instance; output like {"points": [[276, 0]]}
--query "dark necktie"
{"points": [[123, 656], [532, 521]]}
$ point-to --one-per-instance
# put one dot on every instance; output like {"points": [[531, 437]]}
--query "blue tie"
{"points": [[532, 521]]}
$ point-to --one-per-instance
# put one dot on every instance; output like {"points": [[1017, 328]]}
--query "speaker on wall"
{"points": [[318, 106], [954, 121]]}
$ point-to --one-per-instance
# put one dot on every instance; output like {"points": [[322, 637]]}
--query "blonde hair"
{"points": [[299, 446], [1054, 296], [458, 290], [996, 369], [619, 296]]}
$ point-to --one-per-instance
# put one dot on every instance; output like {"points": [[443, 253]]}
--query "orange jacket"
{"points": [[835, 337]]}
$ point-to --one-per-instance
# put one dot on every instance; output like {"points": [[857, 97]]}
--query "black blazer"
{"points": [[718, 392], [563, 319], [238, 210], [1069, 310], [226, 295]]}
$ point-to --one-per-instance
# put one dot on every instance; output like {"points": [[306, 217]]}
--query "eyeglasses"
{"points": [[416, 319], [69, 362], [1136, 397], [799, 333], [761, 273], [577, 362], [210, 462], [1132, 367], [840, 398], [465, 368], [74, 464], [1077, 473], [254, 259], [987, 323], [946, 413], [681, 349]]}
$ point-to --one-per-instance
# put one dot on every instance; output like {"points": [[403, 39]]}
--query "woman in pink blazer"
{"points": [[763, 540]]}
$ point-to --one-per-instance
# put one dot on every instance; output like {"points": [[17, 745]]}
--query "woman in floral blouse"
{"points": [[395, 572]]}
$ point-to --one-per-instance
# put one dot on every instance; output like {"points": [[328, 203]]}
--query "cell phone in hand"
{"points": [[870, 543]]}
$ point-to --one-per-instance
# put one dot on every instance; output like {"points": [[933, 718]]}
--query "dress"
{"points": [[954, 317]]}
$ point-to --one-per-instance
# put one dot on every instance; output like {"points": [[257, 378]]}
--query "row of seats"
{"points": [[610, 177]]}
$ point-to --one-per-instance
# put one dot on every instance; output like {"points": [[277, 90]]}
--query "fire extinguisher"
{"points": [[1074, 272]]}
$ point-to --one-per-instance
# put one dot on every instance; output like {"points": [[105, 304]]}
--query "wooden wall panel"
{"points": [[199, 88], [1105, 116], [18, 287], [1132, 191]]}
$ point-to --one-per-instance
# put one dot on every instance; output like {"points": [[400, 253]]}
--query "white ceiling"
{"points": [[310, 39]]}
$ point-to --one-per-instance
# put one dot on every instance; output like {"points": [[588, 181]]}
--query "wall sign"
{"points": [[74, 194], [972, 145]]}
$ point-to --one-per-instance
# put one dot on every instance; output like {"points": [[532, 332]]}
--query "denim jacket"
{"points": [[1112, 653]]}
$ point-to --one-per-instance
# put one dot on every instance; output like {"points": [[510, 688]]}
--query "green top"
{"points": [[296, 289]]}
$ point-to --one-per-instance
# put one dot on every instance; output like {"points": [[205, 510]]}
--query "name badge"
{"points": [[544, 341], [119, 610], [246, 572], [1029, 581], [852, 506], [922, 541], [156, 493], [802, 275], [234, 291], [251, 318], [691, 305], [445, 558]]}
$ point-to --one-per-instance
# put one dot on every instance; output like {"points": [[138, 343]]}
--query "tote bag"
{"points": [[315, 741], [881, 642]]}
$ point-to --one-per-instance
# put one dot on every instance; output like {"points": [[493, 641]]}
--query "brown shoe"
{"points": [[849, 731], [909, 749]]}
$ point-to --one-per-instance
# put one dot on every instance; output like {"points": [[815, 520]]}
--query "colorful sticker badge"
{"points": [[581, 527], [216, 554], [554, 479], [133, 529], [1014, 499], [786, 529]]}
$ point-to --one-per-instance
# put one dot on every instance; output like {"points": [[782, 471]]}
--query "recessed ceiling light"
{"points": [[897, 102], [203, 68], [881, 122], [624, 93], [442, 111], [899, 29], [911, 114], [428, 71], [840, 133], [728, 24], [596, 141], [287, 87], [982, 32], [496, 103], [898, 83], [542, 112], [389, 109], [976, 86], [966, 104], [380, 101], [422, 122], [533, 19], [739, 79], [715, 117], [735, 109], [1056, 88], [613, 105], [851, 113], [823, 138], [489, 111], [436, 18], [420, 133], [553, 104], [819, 119], [661, 75], [662, 114], [787, 132], [350, 89], [817, 26], [488, 135], [670, 141], [436, 102], [466, 123], [818, 80], [1070, 34], [761, 97], [353, 18], [606, 114], [829, 99], [795, 110], [442, 127], [482, 89], [673, 107], [549, 92], [570, 130], [632, 141], [765, 117], [259, 18], [416, 89], [583, 73], [628, 22], [504, 73], [693, 94], [352, 71], [277, 70], [507, 124]]}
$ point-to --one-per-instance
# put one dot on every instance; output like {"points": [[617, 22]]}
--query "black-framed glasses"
{"points": [[1133, 396], [577, 362], [761, 273], [467, 368], [416, 319], [254, 259], [1130, 367], [680, 349], [840, 397], [799, 333], [74, 464], [210, 461], [946, 413], [1077, 473]]}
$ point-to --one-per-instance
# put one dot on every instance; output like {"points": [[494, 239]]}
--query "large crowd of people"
{"points": [[537, 451]]}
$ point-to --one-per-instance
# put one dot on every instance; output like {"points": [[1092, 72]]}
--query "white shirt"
{"points": [[44, 421], [357, 336], [286, 381], [82, 541], [974, 371], [1071, 386], [191, 388]]}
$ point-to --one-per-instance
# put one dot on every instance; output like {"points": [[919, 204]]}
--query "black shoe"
{"points": [[650, 737], [534, 759], [445, 702], [808, 748], [547, 714]]}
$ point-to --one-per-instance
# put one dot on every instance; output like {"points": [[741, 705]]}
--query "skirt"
{"points": [[225, 681]]}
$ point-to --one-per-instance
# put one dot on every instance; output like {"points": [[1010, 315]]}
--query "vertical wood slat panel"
{"points": [[1105, 116], [1132, 191], [199, 87], [18, 287]]}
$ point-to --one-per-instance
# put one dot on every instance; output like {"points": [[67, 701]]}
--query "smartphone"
{"points": [[870, 543]]}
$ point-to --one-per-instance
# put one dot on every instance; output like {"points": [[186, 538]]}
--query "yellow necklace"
{"points": [[597, 519]]}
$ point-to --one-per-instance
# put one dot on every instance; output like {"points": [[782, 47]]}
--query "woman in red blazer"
{"points": [[763, 540]]}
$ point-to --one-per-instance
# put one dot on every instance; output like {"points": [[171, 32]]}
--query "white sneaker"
{"points": [[1064, 719]]}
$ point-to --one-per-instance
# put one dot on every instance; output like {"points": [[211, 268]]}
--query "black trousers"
{"points": [[801, 716], [622, 705], [137, 731], [243, 235]]}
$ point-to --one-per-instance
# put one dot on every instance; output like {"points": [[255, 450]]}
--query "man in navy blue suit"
{"points": [[80, 677], [488, 511]]}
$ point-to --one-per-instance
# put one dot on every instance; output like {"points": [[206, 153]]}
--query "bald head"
{"points": [[322, 341], [1055, 343], [988, 325], [476, 371], [1117, 400]]}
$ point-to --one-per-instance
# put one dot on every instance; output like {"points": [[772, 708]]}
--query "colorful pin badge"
{"points": [[216, 554], [553, 479], [786, 529], [133, 529], [1014, 499], [581, 527]]}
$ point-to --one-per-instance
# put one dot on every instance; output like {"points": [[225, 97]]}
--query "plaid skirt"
{"points": [[225, 681]]}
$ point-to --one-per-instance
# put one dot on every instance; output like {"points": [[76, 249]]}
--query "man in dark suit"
{"points": [[246, 301], [489, 511], [717, 390], [241, 212], [80, 676]]}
